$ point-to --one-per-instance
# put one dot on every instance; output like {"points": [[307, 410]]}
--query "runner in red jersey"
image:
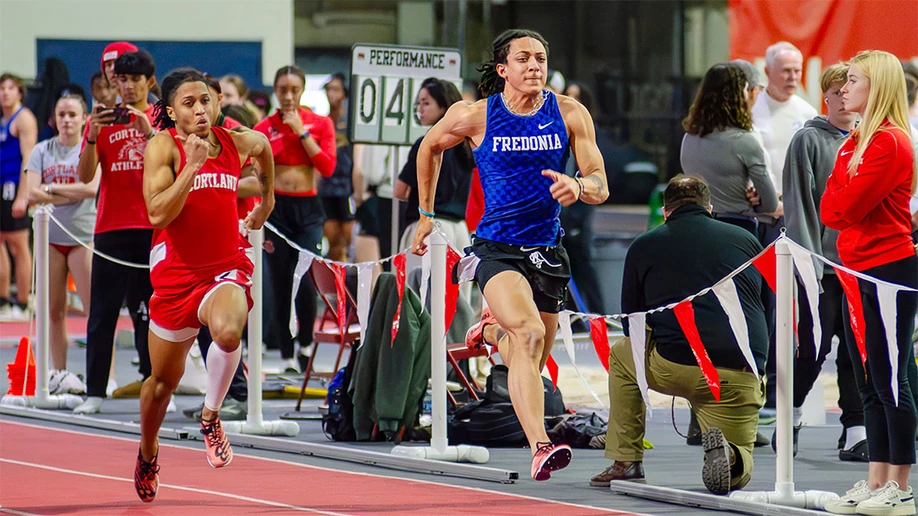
{"points": [[304, 146], [198, 264]]}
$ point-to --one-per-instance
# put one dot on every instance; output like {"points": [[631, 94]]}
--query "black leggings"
{"points": [[301, 220], [112, 286], [808, 364], [890, 427]]}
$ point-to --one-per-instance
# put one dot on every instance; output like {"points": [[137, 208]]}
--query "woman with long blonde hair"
{"points": [[867, 199]]}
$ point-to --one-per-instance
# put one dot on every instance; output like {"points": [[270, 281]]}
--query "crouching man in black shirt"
{"points": [[690, 252]]}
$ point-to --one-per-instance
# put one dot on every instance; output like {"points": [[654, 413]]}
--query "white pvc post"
{"points": [[256, 238], [42, 305], [784, 355], [784, 493], [255, 423], [396, 236], [438, 440], [439, 448], [43, 398]]}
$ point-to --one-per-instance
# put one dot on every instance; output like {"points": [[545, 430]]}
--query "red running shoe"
{"points": [[146, 478], [219, 451], [474, 338], [549, 457]]}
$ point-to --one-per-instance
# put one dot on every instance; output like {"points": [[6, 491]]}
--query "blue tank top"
{"points": [[519, 208], [10, 153]]}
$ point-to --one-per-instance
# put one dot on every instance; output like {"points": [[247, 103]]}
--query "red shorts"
{"points": [[178, 296]]}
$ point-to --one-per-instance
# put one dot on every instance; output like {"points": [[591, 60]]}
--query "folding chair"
{"points": [[323, 276], [457, 352]]}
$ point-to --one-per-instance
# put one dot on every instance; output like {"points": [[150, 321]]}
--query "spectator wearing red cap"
{"points": [[112, 52]]}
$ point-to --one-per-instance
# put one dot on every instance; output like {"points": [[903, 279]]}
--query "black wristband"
{"points": [[90, 142]]}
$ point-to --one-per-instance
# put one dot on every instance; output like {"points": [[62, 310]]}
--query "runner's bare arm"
{"points": [[249, 185], [165, 190], [461, 121], [255, 145], [583, 143]]}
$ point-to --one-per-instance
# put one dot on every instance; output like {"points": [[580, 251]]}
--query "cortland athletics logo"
{"points": [[130, 156]]}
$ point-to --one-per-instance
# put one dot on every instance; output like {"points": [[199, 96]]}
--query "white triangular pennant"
{"points": [[425, 277], [886, 294], [303, 263], [729, 300], [467, 267], [804, 264], [637, 329], [567, 336], [364, 279]]}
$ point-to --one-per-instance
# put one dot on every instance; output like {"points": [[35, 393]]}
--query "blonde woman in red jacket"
{"points": [[867, 198]]}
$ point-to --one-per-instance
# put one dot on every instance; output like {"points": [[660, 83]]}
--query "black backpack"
{"points": [[492, 421], [338, 423]]}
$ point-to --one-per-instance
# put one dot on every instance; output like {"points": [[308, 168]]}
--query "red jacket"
{"points": [[871, 208]]}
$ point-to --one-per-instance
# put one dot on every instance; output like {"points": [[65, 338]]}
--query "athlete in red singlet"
{"points": [[198, 264], [304, 145]]}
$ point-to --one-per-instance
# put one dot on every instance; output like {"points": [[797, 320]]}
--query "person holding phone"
{"points": [[303, 144], [114, 141]]}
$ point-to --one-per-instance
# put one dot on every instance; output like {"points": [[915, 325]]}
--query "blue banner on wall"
{"points": [[217, 58]]}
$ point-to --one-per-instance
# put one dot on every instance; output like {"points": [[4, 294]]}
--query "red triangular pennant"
{"points": [[685, 314], [452, 289], [398, 263], [552, 367], [341, 294], [767, 265], [600, 335], [855, 309]]}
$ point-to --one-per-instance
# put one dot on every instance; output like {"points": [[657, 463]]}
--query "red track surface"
{"points": [[47, 471]]}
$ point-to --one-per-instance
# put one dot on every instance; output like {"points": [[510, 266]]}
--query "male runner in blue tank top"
{"points": [[521, 135]]}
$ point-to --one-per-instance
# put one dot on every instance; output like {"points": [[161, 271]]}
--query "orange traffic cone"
{"points": [[21, 372]]}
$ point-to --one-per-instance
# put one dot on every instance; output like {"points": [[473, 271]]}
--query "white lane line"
{"points": [[178, 488], [372, 475], [17, 513]]}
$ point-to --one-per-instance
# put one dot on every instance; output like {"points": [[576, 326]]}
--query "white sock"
{"points": [[798, 415], [221, 366], [854, 435]]}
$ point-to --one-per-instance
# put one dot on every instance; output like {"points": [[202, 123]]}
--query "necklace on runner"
{"points": [[535, 108]]}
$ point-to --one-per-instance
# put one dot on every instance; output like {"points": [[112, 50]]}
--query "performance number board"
{"points": [[385, 81]]}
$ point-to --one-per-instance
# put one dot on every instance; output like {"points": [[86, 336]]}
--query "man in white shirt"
{"points": [[779, 112]]}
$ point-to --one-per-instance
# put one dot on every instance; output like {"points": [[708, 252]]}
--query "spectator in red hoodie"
{"points": [[867, 199]]}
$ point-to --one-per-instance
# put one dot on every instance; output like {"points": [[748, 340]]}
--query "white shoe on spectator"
{"points": [[171, 409], [291, 366], [889, 500], [111, 387], [847, 503], [65, 382], [92, 405]]}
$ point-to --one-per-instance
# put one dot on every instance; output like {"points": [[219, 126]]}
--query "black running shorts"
{"points": [[546, 268]]}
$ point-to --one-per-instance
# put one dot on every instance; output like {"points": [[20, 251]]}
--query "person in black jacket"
{"points": [[690, 252]]}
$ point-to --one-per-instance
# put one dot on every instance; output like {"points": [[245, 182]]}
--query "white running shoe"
{"points": [[65, 382], [847, 503], [889, 500], [92, 405]]}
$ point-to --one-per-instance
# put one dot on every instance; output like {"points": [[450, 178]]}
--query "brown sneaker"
{"points": [[718, 458], [619, 470]]}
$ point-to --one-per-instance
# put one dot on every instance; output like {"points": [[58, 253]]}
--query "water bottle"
{"points": [[426, 409]]}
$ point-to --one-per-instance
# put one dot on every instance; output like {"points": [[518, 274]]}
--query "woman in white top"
{"points": [[53, 179]]}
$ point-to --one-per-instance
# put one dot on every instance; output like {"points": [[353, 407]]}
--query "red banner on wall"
{"points": [[825, 31]]}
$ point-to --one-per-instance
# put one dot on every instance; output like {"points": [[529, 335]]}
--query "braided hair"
{"points": [[170, 86], [491, 81]]}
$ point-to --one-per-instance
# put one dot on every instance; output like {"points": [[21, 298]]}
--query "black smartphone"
{"points": [[122, 115]]}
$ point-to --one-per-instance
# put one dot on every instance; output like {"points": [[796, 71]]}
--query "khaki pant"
{"points": [[736, 415]]}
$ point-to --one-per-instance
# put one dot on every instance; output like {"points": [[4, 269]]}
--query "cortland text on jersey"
{"points": [[526, 143], [215, 180]]}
